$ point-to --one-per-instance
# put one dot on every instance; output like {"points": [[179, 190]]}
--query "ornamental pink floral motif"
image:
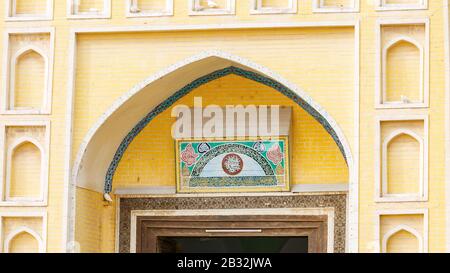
{"points": [[275, 155], [189, 156]]}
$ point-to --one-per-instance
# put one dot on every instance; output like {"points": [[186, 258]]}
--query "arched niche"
{"points": [[335, 5], [402, 239], [84, 9], [24, 177], [23, 240], [403, 164], [403, 72], [149, 8], [28, 80], [401, 4], [108, 139], [273, 6], [29, 10]]}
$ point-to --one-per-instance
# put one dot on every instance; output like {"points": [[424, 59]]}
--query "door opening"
{"points": [[232, 245]]}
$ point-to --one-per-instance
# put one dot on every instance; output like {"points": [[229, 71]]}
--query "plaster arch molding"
{"points": [[19, 231], [102, 148], [15, 60]]}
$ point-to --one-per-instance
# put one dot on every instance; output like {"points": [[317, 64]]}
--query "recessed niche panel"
{"points": [[402, 162], [30, 9], [401, 4], [89, 8], [142, 8], [273, 6], [28, 66], [335, 5], [22, 234], [403, 81], [216, 7], [239, 166], [403, 73], [402, 233], [26, 167], [25, 171]]}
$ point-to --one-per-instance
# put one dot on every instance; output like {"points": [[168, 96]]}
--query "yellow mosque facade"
{"points": [[360, 163]]}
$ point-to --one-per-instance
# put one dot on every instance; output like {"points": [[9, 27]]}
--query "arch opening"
{"points": [[108, 140]]}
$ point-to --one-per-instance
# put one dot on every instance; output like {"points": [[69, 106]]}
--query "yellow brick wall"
{"points": [[402, 242], [95, 222]]}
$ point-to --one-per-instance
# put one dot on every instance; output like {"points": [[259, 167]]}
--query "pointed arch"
{"points": [[19, 231], [9, 168], [398, 229], [15, 59], [106, 141], [391, 44], [392, 136], [224, 64]]}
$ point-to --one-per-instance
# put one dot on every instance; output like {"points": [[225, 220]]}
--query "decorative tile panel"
{"points": [[233, 165]]}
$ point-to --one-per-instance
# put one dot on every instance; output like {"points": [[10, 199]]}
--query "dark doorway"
{"points": [[231, 234], [233, 244]]}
